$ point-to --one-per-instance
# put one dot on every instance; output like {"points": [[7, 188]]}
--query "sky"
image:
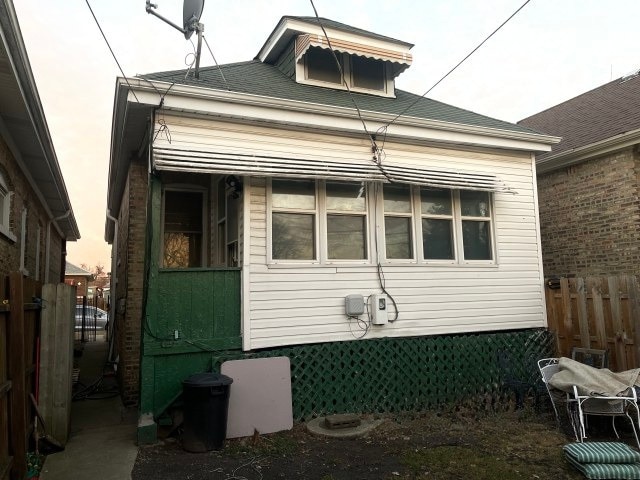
{"points": [[550, 52]]}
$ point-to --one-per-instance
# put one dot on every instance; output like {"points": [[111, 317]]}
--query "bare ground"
{"points": [[446, 445]]}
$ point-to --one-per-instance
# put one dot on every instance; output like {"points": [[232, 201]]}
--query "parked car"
{"points": [[94, 318]]}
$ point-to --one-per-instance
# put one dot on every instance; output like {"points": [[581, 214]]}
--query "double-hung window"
{"points": [[293, 220], [318, 222], [398, 216], [456, 225]]}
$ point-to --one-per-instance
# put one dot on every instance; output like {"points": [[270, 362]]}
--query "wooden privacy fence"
{"points": [[597, 312], [19, 327]]}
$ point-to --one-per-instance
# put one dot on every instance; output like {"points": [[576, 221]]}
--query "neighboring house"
{"points": [[246, 205], [588, 185], [79, 277], [36, 219]]}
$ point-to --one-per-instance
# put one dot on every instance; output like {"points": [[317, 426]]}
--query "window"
{"points": [[328, 221], [367, 73], [476, 225], [183, 229], [361, 74], [437, 224], [398, 215], [321, 65], [5, 208], [293, 221], [455, 221], [346, 205]]}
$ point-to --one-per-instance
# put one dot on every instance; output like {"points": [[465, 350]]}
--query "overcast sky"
{"points": [[551, 51]]}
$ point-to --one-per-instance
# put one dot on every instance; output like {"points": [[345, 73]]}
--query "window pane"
{"points": [[293, 236], [435, 202], [367, 73], [474, 204], [397, 234], [477, 240], [293, 195], [437, 239], [182, 250], [321, 65], [346, 237], [347, 197], [182, 229], [397, 198]]}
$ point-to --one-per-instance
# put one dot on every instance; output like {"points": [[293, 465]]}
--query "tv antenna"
{"points": [[191, 13]]}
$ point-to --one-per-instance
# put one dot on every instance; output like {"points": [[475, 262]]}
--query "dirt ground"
{"points": [[445, 445]]}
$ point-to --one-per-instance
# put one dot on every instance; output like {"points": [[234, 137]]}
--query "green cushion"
{"points": [[605, 471], [601, 452]]}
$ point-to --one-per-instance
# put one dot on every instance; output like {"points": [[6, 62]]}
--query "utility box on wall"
{"points": [[378, 309]]}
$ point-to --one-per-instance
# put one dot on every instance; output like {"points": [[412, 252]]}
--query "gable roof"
{"points": [[608, 111], [72, 270], [257, 78]]}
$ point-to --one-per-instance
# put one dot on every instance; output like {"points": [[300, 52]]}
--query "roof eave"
{"points": [[577, 155]]}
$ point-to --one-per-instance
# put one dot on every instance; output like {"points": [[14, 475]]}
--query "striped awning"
{"points": [[199, 161], [400, 60]]}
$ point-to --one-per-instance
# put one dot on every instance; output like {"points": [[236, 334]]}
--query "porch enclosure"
{"points": [[597, 312], [190, 314]]}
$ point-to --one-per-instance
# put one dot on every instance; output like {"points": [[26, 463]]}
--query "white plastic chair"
{"points": [[549, 367]]}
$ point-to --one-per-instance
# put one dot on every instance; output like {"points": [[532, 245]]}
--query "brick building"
{"points": [[78, 277], [588, 185], [36, 218]]}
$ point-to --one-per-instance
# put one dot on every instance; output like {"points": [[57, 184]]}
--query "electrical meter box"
{"points": [[354, 305], [378, 309]]}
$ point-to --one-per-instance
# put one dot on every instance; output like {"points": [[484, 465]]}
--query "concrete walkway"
{"points": [[103, 432]]}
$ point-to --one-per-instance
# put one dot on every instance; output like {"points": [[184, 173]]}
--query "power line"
{"points": [[384, 127], [344, 80], [111, 50]]}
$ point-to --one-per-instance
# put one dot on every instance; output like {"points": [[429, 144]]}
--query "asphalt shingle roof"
{"points": [[257, 78], [71, 269], [604, 112]]}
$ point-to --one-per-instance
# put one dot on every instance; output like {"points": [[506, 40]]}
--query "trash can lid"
{"points": [[207, 380]]}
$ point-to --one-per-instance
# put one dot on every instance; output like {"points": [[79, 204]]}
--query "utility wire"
{"points": [[384, 127], [216, 62], [344, 81], [111, 50]]}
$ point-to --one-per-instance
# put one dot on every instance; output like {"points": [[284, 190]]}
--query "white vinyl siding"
{"points": [[290, 304]]}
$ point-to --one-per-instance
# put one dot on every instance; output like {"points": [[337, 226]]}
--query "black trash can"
{"points": [[206, 399]]}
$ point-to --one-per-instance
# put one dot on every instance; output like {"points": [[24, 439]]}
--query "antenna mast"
{"points": [[192, 10]]}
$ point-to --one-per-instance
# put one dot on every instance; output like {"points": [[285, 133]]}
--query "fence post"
{"points": [[634, 310], [18, 410]]}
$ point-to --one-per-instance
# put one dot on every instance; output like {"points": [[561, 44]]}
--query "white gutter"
{"points": [[577, 155], [47, 254], [313, 115], [114, 281]]}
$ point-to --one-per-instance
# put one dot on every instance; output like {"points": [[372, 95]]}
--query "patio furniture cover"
{"points": [[593, 381]]}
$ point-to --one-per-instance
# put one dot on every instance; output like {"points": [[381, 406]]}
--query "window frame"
{"points": [[185, 188], [6, 198], [321, 212], [302, 76], [454, 228], [412, 227], [458, 240]]}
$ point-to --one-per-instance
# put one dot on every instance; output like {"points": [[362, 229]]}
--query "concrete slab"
{"points": [[317, 427], [103, 432]]}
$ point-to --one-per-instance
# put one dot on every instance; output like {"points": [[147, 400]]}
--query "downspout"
{"points": [[48, 248], [114, 281]]}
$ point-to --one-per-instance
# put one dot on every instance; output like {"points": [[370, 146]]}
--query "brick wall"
{"points": [[590, 217], [130, 277], [24, 196]]}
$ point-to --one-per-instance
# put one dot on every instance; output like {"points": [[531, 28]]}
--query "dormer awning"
{"points": [[399, 60]]}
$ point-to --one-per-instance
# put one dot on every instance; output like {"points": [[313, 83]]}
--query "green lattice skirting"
{"points": [[405, 374]]}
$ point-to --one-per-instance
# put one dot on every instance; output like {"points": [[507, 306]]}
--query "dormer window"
{"points": [[306, 48], [322, 66], [367, 73]]}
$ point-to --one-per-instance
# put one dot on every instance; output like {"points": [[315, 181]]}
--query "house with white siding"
{"points": [[300, 204]]}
